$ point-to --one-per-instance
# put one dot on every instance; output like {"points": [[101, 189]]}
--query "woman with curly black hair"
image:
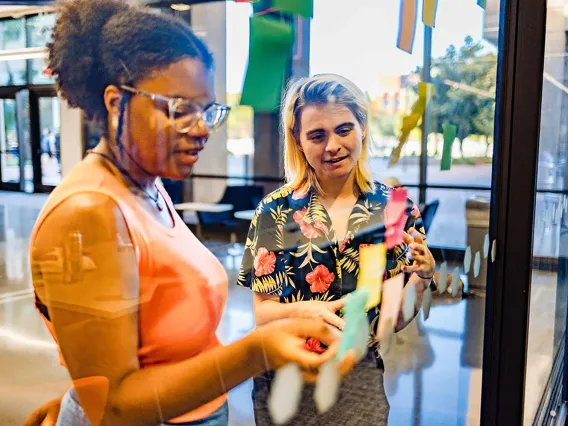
{"points": [[131, 296]]}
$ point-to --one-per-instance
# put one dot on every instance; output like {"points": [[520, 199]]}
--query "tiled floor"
{"points": [[433, 372]]}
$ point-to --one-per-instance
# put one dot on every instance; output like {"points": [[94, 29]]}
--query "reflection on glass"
{"points": [[450, 224], [9, 148], [548, 295], [50, 141], [12, 36], [240, 124], [464, 74]]}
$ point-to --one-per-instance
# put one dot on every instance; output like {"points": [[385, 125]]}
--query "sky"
{"points": [[357, 38]]}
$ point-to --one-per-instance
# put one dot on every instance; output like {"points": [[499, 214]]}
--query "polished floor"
{"points": [[432, 376]]}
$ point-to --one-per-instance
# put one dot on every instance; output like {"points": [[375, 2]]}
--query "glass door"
{"points": [[548, 296], [49, 141], [9, 146]]}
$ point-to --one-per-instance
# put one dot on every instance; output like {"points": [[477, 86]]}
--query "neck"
{"points": [[339, 188], [126, 163]]}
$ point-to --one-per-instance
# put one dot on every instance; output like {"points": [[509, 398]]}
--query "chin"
{"points": [[180, 173]]}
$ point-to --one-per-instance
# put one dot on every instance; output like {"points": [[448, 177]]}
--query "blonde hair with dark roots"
{"points": [[322, 89]]}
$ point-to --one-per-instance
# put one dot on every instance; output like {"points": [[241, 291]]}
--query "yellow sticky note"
{"points": [[409, 122], [372, 264]]}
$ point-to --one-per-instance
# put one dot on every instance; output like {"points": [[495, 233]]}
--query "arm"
{"points": [[95, 317]]}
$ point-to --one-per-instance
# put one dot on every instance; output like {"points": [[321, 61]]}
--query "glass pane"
{"points": [[449, 227], [9, 149], [464, 73], [39, 33], [363, 49], [240, 124], [49, 116], [548, 295], [13, 36]]}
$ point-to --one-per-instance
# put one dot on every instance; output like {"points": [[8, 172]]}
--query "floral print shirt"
{"points": [[292, 251]]}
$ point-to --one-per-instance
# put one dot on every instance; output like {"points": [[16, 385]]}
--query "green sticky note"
{"points": [[270, 54], [303, 8], [355, 320], [482, 3], [450, 132]]}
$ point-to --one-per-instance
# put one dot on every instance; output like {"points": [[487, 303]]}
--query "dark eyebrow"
{"points": [[347, 123], [314, 131]]}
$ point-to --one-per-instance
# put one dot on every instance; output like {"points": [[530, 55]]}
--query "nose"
{"points": [[199, 131], [333, 145]]}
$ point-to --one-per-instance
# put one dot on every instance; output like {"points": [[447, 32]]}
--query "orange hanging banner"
{"points": [[407, 25]]}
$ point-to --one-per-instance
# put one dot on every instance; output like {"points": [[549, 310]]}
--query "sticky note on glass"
{"points": [[482, 3], [395, 217], [270, 54], [303, 8], [372, 263], [407, 25], [356, 321], [409, 122], [390, 306], [450, 132], [429, 12]]}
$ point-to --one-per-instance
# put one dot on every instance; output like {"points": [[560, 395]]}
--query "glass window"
{"points": [[240, 125], [549, 293], [463, 71], [363, 49], [39, 34], [12, 36]]}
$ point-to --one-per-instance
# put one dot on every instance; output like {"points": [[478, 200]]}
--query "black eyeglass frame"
{"points": [[175, 103]]}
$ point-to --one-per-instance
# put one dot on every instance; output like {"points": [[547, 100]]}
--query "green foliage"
{"points": [[465, 82]]}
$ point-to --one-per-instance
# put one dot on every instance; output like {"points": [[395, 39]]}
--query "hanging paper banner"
{"points": [[425, 93], [429, 12], [450, 132], [270, 53], [303, 8], [482, 3], [407, 25]]}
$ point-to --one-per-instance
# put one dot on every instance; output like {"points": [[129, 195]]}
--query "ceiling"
{"points": [[18, 11]]}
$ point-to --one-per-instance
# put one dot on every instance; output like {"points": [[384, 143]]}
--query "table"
{"points": [[202, 207], [245, 214]]}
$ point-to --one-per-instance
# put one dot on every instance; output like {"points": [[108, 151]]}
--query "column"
{"points": [[209, 23], [71, 137]]}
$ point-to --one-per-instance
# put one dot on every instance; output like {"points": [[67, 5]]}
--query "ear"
{"points": [[112, 98]]}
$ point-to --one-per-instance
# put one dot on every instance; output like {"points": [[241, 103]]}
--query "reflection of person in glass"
{"points": [[302, 253], [131, 296]]}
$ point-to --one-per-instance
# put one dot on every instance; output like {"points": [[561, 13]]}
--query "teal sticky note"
{"points": [[355, 320], [303, 8], [450, 132], [270, 54], [482, 3]]}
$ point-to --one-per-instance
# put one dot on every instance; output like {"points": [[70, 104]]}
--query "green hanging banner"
{"points": [[270, 54], [303, 8]]}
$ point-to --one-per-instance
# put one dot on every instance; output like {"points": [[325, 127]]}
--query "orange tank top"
{"points": [[183, 287]]}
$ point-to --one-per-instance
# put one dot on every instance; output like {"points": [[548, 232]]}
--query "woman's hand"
{"points": [[423, 263], [282, 342], [324, 310], [45, 415]]}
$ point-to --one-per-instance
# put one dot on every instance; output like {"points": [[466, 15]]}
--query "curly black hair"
{"points": [[96, 43]]}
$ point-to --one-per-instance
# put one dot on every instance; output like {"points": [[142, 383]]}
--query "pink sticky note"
{"points": [[390, 304], [395, 217]]}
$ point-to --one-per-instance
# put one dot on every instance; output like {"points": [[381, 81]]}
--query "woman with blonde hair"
{"points": [[302, 253]]}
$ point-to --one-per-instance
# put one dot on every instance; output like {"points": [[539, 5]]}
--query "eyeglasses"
{"points": [[184, 114]]}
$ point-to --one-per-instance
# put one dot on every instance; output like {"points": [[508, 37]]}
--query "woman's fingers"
{"points": [[336, 305], [332, 319]]}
